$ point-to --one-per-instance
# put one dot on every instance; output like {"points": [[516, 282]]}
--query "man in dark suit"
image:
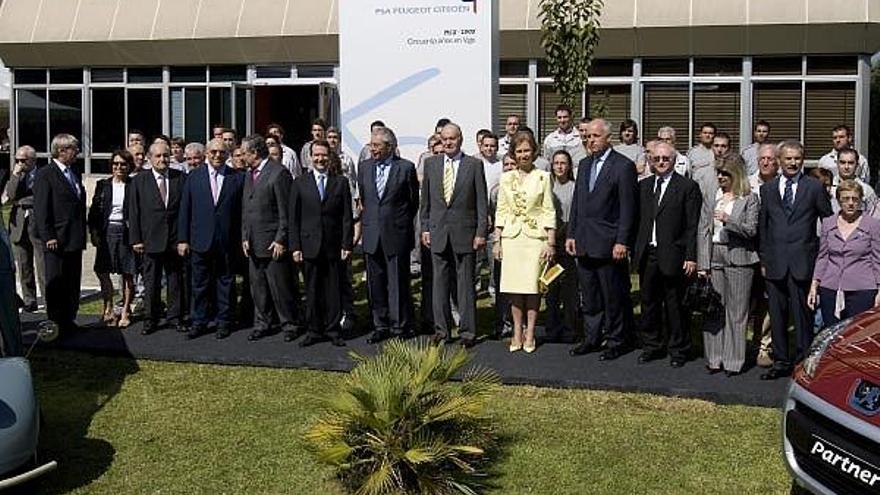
{"points": [[790, 206], [60, 214], [209, 231], [453, 217], [601, 230], [153, 211], [22, 229], [666, 255], [265, 233], [321, 235], [390, 195]]}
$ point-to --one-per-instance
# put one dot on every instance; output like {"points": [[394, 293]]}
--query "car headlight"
{"points": [[820, 344]]}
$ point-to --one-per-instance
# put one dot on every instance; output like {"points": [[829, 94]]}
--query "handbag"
{"points": [[701, 297], [548, 275]]}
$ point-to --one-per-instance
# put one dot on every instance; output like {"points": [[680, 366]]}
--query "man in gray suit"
{"points": [[453, 218], [22, 231], [264, 237]]}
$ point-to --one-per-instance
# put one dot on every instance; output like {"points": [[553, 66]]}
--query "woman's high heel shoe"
{"points": [[124, 322], [515, 346], [529, 347], [109, 318]]}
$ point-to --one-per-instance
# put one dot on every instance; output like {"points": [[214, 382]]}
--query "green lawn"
{"points": [[121, 426]]}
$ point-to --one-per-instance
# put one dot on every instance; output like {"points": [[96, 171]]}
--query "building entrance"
{"points": [[294, 107]]}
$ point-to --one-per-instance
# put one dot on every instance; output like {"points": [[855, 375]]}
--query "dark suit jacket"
{"points": [[389, 219], [466, 215], [320, 228], [102, 203], [790, 243], [150, 222], [607, 215], [676, 217], [264, 206], [59, 212], [20, 192], [201, 223]]}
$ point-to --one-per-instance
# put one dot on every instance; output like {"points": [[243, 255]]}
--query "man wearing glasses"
{"points": [[22, 230], [60, 214]]}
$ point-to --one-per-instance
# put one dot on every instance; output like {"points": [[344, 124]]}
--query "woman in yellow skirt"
{"points": [[525, 232]]}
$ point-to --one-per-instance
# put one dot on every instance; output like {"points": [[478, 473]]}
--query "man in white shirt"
{"points": [[288, 160], [492, 170], [750, 154], [667, 135], [847, 163], [702, 155], [564, 137], [195, 155], [511, 127], [768, 168], [318, 132], [178, 155], [842, 139]]}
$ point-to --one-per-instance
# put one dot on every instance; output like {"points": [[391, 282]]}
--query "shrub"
{"points": [[400, 425]]}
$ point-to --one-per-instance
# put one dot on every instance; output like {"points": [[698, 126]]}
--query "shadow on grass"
{"points": [[497, 456]]}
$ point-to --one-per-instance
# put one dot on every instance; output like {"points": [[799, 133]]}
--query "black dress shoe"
{"points": [[195, 332], [712, 371], [376, 337], [653, 355], [310, 340], [222, 332], [148, 328], [257, 335], [731, 374], [181, 328], [290, 335], [438, 338], [676, 362], [613, 353], [29, 308], [338, 342], [776, 373], [584, 348], [467, 343]]}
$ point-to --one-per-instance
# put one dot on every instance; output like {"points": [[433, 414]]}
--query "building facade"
{"points": [[100, 68]]}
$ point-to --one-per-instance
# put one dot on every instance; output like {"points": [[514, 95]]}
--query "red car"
{"points": [[831, 425]]}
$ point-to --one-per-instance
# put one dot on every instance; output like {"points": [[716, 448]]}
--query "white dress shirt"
{"points": [[794, 187], [663, 185]]}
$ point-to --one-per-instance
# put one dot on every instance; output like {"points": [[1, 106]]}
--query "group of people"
{"points": [[775, 242]]}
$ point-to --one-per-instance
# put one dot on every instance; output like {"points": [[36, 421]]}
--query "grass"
{"points": [[125, 426]]}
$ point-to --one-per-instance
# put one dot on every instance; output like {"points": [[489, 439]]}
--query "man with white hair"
{"points": [[195, 155], [682, 165], [22, 228]]}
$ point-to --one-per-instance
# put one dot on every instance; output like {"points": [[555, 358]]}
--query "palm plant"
{"points": [[400, 425]]}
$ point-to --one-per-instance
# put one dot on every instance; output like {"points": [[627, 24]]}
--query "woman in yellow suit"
{"points": [[525, 232]]}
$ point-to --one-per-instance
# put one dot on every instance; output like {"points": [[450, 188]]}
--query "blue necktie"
{"points": [[68, 173], [594, 172], [381, 179], [788, 197], [321, 186]]}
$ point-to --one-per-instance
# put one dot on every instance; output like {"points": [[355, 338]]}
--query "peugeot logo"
{"points": [[865, 398]]}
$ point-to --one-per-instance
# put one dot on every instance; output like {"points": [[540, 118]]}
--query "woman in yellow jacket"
{"points": [[525, 233]]}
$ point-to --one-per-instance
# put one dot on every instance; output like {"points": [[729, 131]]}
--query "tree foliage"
{"points": [[400, 425], [569, 35]]}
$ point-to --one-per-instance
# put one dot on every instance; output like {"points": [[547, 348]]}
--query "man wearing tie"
{"points": [[60, 213], [22, 228], [601, 230], [153, 209], [453, 218], [264, 218], [321, 234], [390, 194], [209, 231], [790, 207]]}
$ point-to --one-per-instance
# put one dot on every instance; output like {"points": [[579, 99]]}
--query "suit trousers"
{"points": [[854, 302], [171, 265], [450, 266], [788, 298], [63, 272], [502, 302], [426, 309], [323, 305], [389, 292], [213, 287], [563, 292], [724, 336], [246, 302], [661, 296], [273, 288], [346, 287], [29, 258], [606, 308]]}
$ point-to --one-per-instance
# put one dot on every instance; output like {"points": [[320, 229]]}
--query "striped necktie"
{"points": [[448, 181]]}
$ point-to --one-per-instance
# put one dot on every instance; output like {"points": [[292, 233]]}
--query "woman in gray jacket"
{"points": [[727, 251]]}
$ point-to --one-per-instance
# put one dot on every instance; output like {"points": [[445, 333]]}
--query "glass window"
{"points": [[30, 76], [31, 105], [195, 124], [665, 67], [145, 111], [777, 66], [145, 75], [101, 166], [314, 71], [273, 71], [65, 76], [780, 105], [65, 112], [108, 119], [728, 66], [828, 105], [221, 106], [611, 103], [228, 73], [188, 74], [666, 105], [511, 101], [106, 75], [241, 95], [548, 100], [832, 65], [720, 105], [513, 68], [620, 67]]}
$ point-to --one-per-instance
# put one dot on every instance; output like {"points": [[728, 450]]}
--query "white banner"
{"points": [[409, 63]]}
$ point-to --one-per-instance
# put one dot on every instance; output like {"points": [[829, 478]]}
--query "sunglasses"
{"points": [[119, 164], [662, 159], [723, 173]]}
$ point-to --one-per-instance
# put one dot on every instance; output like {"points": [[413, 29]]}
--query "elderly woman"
{"points": [[564, 291], [525, 233], [108, 225], [727, 251], [847, 272]]}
